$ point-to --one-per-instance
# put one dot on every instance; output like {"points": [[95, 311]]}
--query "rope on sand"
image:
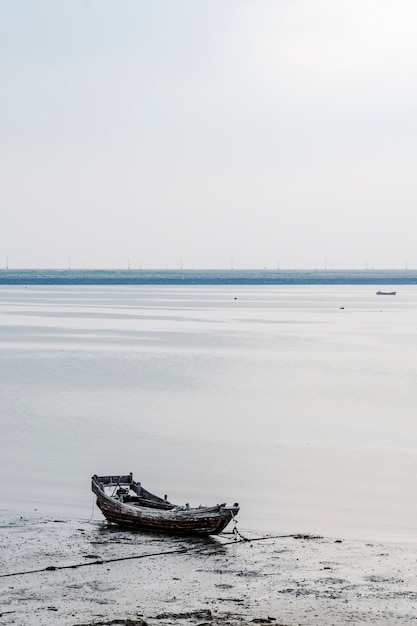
{"points": [[97, 562], [238, 538]]}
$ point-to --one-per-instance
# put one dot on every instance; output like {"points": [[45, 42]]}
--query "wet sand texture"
{"points": [[75, 573]]}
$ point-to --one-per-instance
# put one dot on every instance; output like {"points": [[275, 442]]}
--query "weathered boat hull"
{"points": [[145, 511]]}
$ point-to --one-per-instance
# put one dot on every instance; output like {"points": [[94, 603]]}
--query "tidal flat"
{"points": [[79, 573]]}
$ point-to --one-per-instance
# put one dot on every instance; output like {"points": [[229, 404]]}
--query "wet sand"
{"points": [[78, 573]]}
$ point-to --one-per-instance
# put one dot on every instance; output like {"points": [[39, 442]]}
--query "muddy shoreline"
{"points": [[78, 573]]}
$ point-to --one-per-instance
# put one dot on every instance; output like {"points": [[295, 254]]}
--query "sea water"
{"points": [[297, 401]]}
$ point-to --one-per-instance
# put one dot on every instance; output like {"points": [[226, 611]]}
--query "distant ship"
{"points": [[386, 293]]}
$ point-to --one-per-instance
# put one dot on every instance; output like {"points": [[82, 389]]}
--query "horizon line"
{"points": [[207, 269]]}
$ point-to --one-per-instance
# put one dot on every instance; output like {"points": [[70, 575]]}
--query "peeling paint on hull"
{"points": [[161, 516]]}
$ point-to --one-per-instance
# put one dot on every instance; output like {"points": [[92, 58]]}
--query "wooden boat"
{"points": [[386, 293], [124, 501]]}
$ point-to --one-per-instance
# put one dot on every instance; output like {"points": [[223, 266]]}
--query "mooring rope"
{"points": [[235, 532], [182, 550], [97, 562], [92, 510]]}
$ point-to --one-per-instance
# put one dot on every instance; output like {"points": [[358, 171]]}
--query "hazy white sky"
{"points": [[260, 131]]}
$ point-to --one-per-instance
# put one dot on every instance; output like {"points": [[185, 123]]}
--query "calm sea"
{"points": [[297, 400]]}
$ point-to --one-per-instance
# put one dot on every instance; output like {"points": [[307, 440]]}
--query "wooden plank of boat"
{"points": [[386, 293], [125, 502]]}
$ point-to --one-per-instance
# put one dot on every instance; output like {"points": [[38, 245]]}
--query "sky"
{"points": [[208, 133]]}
